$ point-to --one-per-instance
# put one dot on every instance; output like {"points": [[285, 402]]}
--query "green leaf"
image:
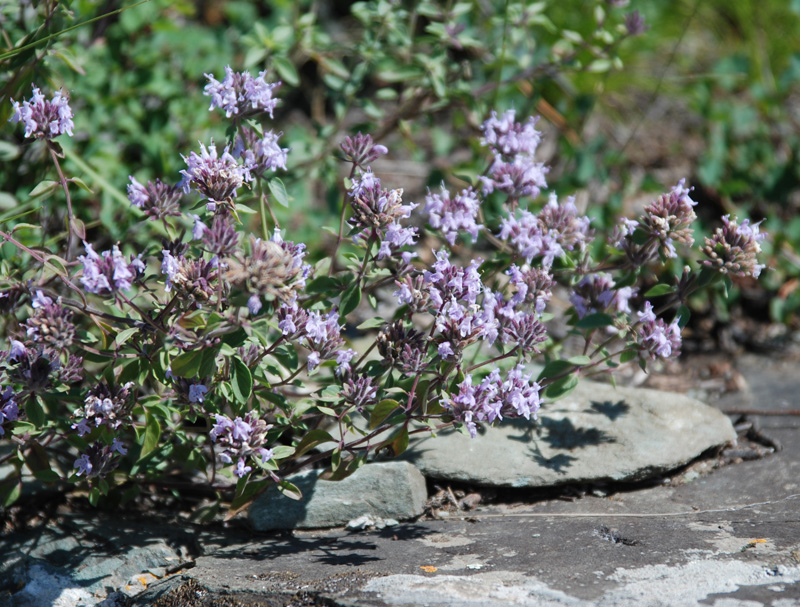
{"points": [[241, 380], [81, 184], [282, 451], [561, 387], [187, 364], [152, 434], [10, 491], [350, 298], [35, 413], [372, 323], [627, 356], [47, 476], [286, 70], [660, 289], [580, 361], [125, 335], [399, 441], [43, 188], [290, 490], [382, 411], [311, 440], [595, 321], [683, 314], [278, 191], [554, 368], [326, 411]]}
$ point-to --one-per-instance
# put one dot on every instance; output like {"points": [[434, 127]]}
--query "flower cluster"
{"points": [[532, 287], [196, 279], [104, 405], [454, 215], [216, 177], [360, 392], [377, 214], [665, 221], [99, 459], [734, 248], [494, 398], [361, 150], [109, 271], [241, 94], [157, 199], [598, 292], [657, 339], [44, 119], [319, 332], [260, 154], [558, 228], [514, 170], [241, 438]]}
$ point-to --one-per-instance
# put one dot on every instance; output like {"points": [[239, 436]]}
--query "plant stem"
{"points": [[65, 186]]}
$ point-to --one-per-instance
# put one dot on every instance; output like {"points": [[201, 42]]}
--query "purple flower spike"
{"points": [[110, 271], [454, 215], [44, 119], [734, 248]]}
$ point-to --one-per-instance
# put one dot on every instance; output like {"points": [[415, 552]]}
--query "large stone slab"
{"points": [[393, 490], [596, 433]]}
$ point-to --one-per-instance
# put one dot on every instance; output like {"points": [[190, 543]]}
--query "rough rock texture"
{"points": [[596, 433], [394, 490]]}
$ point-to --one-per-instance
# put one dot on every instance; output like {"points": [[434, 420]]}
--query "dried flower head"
{"points": [[44, 119], [241, 94], [402, 347], [273, 269], [157, 199], [734, 248], [51, 327]]}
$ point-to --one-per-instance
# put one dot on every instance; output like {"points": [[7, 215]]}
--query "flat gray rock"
{"points": [[393, 490], [596, 433]]}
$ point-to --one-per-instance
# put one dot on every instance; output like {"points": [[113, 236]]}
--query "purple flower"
{"points": [[157, 199], [119, 447], [241, 469], [657, 339], [261, 154], [169, 266], [445, 350], [241, 438], [197, 393], [84, 465], [634, 24], [9, 410], [598, 292], [313, 361], [237, 91], [18, 351], [555, 230], [734, 248], [215, 177], [361, 150], [254, 304], [109, 271], [360, 392], [199, 227], [40, 300], [452, 216], [42, 118], [343, 358], [509, 138]]}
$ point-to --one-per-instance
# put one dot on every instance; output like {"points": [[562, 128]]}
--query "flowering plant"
{"points": [[231, 356]]}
